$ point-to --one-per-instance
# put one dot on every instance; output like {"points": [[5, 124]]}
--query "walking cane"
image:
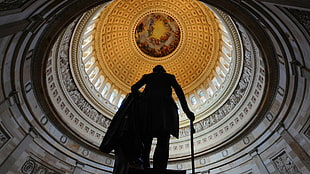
{"points": [[192, 146]]}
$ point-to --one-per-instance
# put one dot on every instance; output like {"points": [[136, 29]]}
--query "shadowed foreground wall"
{"points": [[34, 140]]}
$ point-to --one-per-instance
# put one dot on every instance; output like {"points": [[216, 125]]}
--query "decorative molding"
{"points": [[269, 116], [225, 153], [284, 164], [32, 166], [246, 140], [6, 5], [303, 17], [4, 136]]}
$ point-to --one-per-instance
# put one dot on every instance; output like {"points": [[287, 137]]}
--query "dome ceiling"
{"points": [[131, 37], [109, 48], [116, 43]]}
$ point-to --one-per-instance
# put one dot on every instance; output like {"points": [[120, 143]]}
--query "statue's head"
{"points": [[159, 68]]}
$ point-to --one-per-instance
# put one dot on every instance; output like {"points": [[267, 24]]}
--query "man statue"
{"points": [[158, 114]]}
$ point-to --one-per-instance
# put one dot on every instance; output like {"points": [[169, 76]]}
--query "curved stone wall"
{"points": [[34, 140]]}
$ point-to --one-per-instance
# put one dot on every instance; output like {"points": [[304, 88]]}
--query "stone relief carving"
{"points": [[70, 86], [11, 4], [285, 165], [33, 167], [303, 17], [4, 136]]}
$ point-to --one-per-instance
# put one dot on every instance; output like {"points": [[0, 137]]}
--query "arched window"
{"points": [[210, 92], [90, 28], [216, 83], [106, 89], [87, 40], [225, 63], [202, 96], [220, 72], [93, 73], [193, 99], [96, 16], [87, 52], [121, 100], [89, 63], [226, 40], [227, 51], [99, 82], [113, 95]]}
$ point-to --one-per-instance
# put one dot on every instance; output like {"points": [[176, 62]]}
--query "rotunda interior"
{"points": [[66, 67]]}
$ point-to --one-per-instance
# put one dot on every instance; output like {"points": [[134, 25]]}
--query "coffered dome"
{"points": [[114, 44], [125, 53], [121, 41]]}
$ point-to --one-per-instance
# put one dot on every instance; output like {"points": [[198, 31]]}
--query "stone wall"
{"points": [[32, 140]]}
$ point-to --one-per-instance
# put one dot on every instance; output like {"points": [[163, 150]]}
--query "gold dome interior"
{"points": [[115, 50], [120, 58]]}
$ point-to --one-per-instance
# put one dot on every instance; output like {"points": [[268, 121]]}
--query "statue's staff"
{"points": [[192, 146]]}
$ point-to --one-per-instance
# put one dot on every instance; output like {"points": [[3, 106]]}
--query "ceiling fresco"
{"points": [[157, 35]]}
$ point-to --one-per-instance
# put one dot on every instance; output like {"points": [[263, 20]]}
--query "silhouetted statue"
{"points": [[140, 118], [158, 114], [123, 138]]}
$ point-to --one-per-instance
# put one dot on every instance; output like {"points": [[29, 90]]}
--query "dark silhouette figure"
{"points": [[158, 114], [123, 138]]}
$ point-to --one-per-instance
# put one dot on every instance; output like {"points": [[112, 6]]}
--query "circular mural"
{"points": [[157, 35]]}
